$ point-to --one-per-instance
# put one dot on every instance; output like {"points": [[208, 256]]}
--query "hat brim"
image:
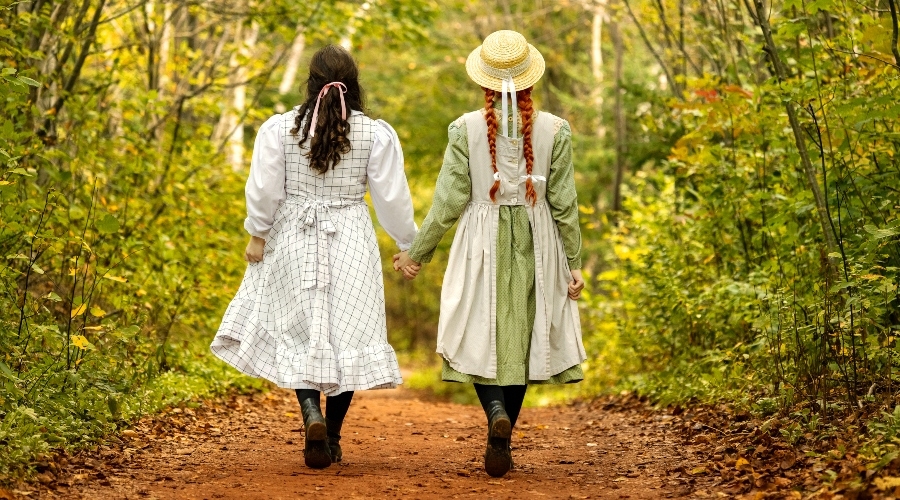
{"points": [[527, 79]]}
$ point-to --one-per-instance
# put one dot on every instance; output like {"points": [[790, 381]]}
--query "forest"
{"points": [[737, 164]]}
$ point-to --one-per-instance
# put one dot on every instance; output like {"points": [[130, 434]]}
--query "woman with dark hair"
{"points": [[309, 314], [508, 311]]}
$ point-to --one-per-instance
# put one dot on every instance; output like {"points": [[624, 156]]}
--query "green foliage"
{"points": [[120, 223], [120, 214], [721, 283]]}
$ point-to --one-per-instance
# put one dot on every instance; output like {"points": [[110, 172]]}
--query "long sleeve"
{"points": [[451, 195], [265, 186], [388, 187], [562, 197]]}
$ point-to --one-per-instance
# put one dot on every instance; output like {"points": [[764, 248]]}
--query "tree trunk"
{"points": [[291, 67], [239, 98], [597, 65], [619, 112], [165, 47]]}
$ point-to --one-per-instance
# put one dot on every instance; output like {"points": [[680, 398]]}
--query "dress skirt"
{"points": [[515, 316], [311, 314]]}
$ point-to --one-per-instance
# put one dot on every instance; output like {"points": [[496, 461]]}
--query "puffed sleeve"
{"points": [[265, 186], [388, 187], [562, 196]]}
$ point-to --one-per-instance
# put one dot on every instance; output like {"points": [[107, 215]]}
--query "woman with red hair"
{"points": [[508, 311]]}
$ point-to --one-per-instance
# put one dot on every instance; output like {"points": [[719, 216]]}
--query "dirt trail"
{"points": [[395, 445]]}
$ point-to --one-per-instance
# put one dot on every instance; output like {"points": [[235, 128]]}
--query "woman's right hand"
{"points": [[254, 251]]}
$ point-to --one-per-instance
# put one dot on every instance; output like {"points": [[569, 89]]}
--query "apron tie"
{"points": [[316, 219]]}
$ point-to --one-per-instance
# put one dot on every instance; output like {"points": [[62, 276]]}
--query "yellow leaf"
{"points": [[116, 278], [79, 310], [79, 341], [741, 462], [97, 312], [887, 483], [93, 328]]}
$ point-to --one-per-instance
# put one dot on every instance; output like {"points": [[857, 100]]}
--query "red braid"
{"points": [[526, 107], [491, 118]]}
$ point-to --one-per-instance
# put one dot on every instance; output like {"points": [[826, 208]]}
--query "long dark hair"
{"points": [[330, 64]]}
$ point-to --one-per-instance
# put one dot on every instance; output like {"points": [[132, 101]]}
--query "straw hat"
{"points": [[504, 54]]}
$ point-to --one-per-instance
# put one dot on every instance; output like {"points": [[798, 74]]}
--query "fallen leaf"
{"points": [[887, 483]]}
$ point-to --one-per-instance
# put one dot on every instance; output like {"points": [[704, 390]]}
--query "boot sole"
{"points": [[501, 428], [316, 454], [497, 459], [317, 431]]}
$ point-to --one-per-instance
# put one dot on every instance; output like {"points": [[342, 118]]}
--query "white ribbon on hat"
{"points": [[508, 88]]}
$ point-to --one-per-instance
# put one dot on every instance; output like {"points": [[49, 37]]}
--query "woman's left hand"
{"points": [[577, 285], [410, 268]]}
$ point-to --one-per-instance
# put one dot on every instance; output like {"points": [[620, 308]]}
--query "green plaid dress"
{"points": [[515, 275]]}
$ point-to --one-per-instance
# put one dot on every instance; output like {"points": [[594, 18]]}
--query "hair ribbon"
{"points": [[315, 116]]}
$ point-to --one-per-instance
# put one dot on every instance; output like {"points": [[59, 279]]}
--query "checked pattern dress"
{"points": [[311, 314]]}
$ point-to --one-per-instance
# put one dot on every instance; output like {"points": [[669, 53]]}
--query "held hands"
{"points": [[577, 285], [254, 251], [409, 267]]}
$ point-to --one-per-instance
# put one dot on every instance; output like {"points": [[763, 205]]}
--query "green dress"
{"points": [[515, 307]]}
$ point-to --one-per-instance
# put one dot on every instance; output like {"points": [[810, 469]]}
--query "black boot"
{"points": [[334, 439], [315, 452], [497, 457]]}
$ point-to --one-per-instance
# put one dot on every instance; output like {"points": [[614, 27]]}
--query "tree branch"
{"points": [[676, 90], [781, 72], [895, 31]]}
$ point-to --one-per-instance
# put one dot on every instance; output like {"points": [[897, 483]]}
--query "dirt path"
{"points": [[395, 445]]}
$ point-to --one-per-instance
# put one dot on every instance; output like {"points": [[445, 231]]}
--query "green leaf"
{"points": [[113, 405], [20, 171], [36, 268], [53, 296], [108, 224], [6, 371], [28, 81]]}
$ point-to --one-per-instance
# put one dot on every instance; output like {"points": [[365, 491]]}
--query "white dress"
{"points": [[311, 314]]}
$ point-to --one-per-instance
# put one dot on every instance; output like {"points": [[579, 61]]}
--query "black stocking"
{"points": [[510, 395], [513, 396]]}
